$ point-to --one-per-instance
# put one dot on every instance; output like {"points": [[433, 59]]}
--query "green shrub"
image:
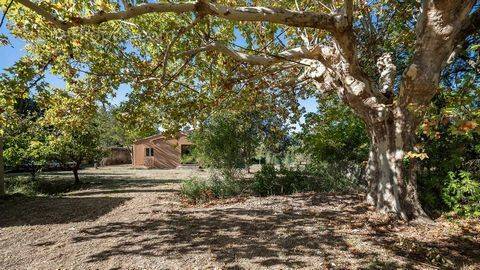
{"points": [[264, 183], [227, 186], [226, 141], [462, 194], [188, 159], [199, 190], [21, 185], [335, 177], [196, 190], [270, 181]]}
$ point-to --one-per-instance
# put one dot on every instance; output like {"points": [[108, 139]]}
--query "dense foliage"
{"points": [[226, 141], [334, 134], [449, 140]]}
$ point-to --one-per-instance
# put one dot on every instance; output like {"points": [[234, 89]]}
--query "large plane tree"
{"points": [[383, 58]]}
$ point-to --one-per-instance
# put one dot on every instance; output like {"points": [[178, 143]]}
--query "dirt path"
{"points": [[135, 220]]}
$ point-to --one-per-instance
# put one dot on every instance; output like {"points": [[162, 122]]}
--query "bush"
{"points": [[336, 177], [462, 194], [199, 190], [264, 183], [270, 181], [196, 190]]}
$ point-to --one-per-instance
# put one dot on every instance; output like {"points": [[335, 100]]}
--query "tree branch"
{"points": [[324, 21], [436, 41], [471, 26], [349, 10], [180, 33], [289, 55], [5, 13]]}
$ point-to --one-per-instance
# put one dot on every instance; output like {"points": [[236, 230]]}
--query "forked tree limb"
{"points": [[436, 40]]}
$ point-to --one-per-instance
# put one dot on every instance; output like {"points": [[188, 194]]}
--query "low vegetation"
{"points": [[268, 181]]}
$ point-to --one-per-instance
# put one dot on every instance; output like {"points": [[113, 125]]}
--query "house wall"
{"points": [[116, 156], [166, 152]]}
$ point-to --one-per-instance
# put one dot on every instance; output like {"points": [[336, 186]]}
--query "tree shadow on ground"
{"points": [[322, 230], [21, 210], [125, 183], [123, 190], [90, 186]]}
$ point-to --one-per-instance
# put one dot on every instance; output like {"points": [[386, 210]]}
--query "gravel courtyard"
{"points": [[135, 219]]}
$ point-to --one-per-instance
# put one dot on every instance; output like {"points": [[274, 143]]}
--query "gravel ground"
{"points": [[135, 219]]}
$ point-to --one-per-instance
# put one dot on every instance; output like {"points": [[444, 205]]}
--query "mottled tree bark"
{"points": [[392, 188]]}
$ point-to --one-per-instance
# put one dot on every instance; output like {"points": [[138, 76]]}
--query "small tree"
{"points": [[75, 134], [226, 141], [75, 147], [25, 144]]}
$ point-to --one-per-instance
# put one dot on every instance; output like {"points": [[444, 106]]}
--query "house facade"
{"points": [[160, 152]]}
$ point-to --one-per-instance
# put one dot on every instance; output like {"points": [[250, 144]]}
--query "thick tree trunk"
{"points": [[392, 185], [2, 170]]}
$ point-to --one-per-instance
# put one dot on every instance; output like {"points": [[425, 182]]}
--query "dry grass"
{"points": [[134, 219]]}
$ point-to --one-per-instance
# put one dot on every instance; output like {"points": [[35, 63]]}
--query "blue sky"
{"points": [[11, 53]]}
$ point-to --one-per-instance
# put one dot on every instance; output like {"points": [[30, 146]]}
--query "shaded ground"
{"points": [[134, 219]]}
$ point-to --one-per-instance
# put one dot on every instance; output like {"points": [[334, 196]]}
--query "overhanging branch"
{"points": [[324, 21], [287, 56]]}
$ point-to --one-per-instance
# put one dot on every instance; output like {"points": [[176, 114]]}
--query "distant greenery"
{"points": [[269, 181], [226, 141], [114, 130], [335, 141]]}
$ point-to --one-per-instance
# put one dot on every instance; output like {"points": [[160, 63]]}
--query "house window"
{"points": [[149, 152]]}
